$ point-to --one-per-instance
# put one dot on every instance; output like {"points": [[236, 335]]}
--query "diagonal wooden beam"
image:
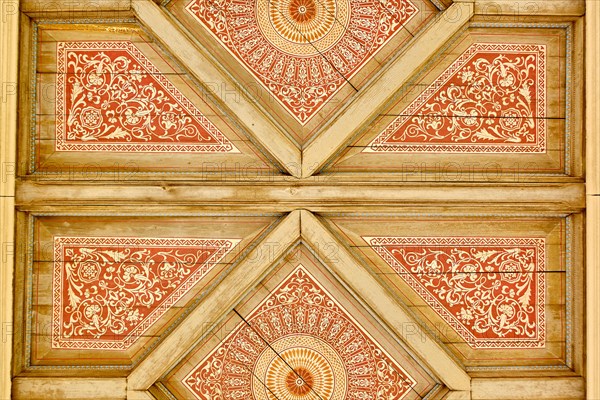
{"points": [[368, 102], [37, 388], [184, 49], [217, 303], [528, 388], [382, 302]]}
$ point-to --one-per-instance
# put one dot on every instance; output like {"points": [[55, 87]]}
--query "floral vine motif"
{"points": [[109, 291], [329, 353], [303, 51], [111, 97], [491, 290], [492, 99]]}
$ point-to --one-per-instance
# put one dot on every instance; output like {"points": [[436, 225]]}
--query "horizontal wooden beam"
{"points": [[368, 102], [281, 197], [184, 49], [216, 304], [49, 8], [69, 388], [530, 7], [527, 388]]}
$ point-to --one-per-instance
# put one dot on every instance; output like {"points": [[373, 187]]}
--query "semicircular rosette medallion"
{"points": [[303, 51], [299, 343]]}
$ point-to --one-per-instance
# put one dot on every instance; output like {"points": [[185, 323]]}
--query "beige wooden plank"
{"points": [[9, 50], [527, 388], [139, 395], [367, 103], [9, 54], [564, 196], [382, 302], [530, 7], [221, 300], [7, 223], [458, 395], [48, 7], [592, 97], [70, 388], [593, 297], [593, 200], [268, 135]]}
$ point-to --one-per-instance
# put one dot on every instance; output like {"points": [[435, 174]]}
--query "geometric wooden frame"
{"points": [[479, 388], [46, 160], [353, 228], [559, 161], [335, 135], [307, 228], [284, 151], [32, 350], [300, 258]]}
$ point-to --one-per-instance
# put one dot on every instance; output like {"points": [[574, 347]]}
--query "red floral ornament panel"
{"points": [[303, 51], [111, 97], [490, 290], [108, 291], [299, 343], [492, 99]]}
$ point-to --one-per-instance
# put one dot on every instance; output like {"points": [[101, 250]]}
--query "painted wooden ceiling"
{"points": [[299, 199]]}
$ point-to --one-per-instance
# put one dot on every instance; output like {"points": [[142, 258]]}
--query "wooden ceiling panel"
{"points": [[103, 290], [109, 98], [499, 103], [497, 290], [297, 199]]}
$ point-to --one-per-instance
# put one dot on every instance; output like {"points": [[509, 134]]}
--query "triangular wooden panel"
{"points": [[495, 102], [104, 290], [490, 290], [108, 291], [112, 99], [469, 91], [494, 289]]}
